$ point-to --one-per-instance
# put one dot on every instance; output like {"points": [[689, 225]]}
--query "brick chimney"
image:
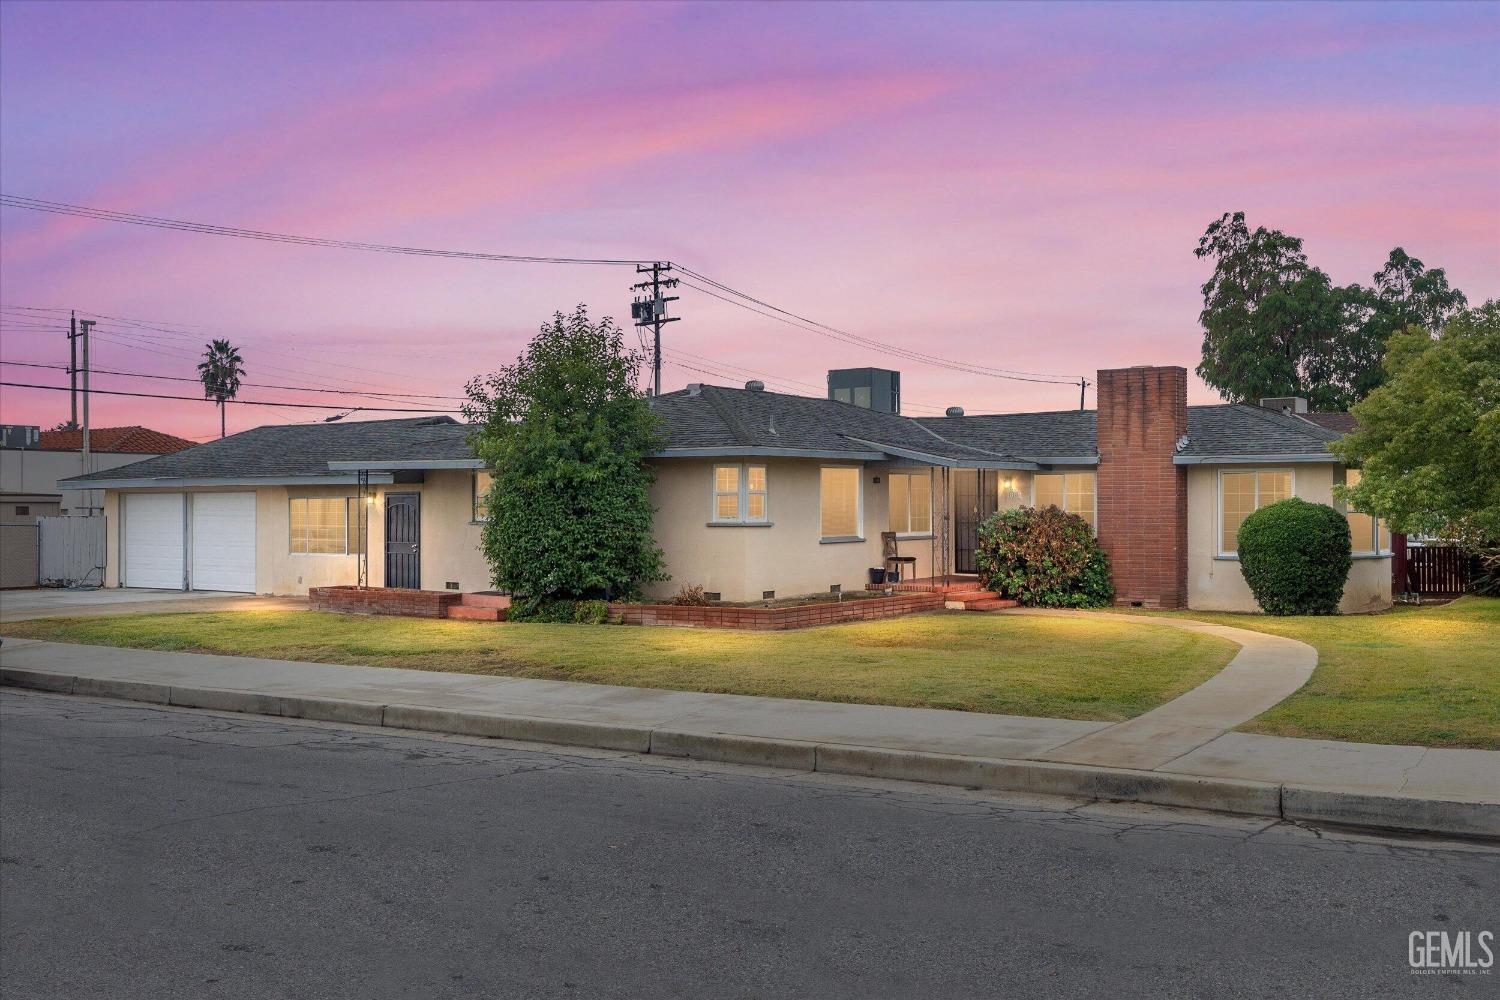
{"points": [[1142, 496]]}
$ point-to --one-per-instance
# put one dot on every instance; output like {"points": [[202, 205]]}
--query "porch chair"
{"points": [[889, 551]]}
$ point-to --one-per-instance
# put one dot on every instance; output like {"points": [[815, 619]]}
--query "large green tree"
{"points": [[564, 432], [1428, 441], [1274, 325]]}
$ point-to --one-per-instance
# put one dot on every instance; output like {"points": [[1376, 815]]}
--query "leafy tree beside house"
{"points": [[564, 432], [1428, 441], [1274, 325]]}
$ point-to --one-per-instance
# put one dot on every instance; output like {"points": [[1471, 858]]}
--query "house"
{"points": [[756, 492], [34, 461]]}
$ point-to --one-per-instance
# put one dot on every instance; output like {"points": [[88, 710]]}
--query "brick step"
{"points": [[967, 599], [994, 604], [473, 614], [485, 599]]}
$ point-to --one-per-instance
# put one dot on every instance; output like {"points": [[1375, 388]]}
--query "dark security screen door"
{"points": [[974, 499], [403, 540]]}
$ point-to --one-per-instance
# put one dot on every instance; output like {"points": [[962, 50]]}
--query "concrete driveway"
{"points": [[48, 602]]}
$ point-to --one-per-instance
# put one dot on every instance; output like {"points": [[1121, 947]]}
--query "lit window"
{"points": [[481, 487], [1368, 535], [1069, 491], [740, 494], [326, 526], [911, 503], [839, 502], [1243, 493]]}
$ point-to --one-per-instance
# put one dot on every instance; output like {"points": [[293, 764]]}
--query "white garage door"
{"points": [[154, 550], [224, 541]]}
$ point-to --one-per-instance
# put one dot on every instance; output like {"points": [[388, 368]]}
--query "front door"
{"points": [[974, 499], [403, 540]]}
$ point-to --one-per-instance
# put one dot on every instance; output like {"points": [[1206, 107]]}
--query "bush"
{"points": [[1044, 558], [1295, 557], [553, 611], [691, 597]]}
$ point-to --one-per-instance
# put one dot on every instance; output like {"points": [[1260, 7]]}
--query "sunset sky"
{"points": [[1016, 186]]}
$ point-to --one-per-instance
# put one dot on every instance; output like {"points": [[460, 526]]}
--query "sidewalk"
{"points": [[1412, 788]]}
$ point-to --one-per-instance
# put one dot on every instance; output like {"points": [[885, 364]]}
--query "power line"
{"points": [[157, 222], [241, 402], [257, 385]]}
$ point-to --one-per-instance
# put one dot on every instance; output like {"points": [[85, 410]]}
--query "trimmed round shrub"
{"points": [[1295, 557], [1044, 558]]}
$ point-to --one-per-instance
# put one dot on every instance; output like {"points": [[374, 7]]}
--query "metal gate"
{"points": [[403, 540], [975, 498]]}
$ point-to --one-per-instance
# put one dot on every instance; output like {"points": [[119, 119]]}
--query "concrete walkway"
{"points": [[1447, 791], [1267, 670]]}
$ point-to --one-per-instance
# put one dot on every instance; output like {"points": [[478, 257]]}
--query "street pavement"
{"points": [[163, 852]]}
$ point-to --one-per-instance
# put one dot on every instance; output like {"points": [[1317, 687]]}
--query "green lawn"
{"points": [[1423, 676], [1062, 668]]}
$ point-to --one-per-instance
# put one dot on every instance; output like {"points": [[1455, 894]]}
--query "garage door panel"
{"points": [[154, 549], [223, 526]]}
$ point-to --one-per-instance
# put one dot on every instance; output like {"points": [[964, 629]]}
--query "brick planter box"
{"points": [[774, 619], [383, 601]]}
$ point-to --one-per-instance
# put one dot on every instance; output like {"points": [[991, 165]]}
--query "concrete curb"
{"points": [[1254, 798]]}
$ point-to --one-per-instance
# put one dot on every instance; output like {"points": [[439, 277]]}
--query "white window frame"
{"points": [[859, 506], [925, 533], [1219, 502], [1374, 551], [474, 517], [337, 555], [1094, 523], [742, 492]]}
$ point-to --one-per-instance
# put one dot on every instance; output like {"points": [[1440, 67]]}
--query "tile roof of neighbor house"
{"points": [[134, 440], [712, 420]]}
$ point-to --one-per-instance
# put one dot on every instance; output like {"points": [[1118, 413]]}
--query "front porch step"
{"points": [[485, 599], [994, 604], [964, 599], [473, 614]]}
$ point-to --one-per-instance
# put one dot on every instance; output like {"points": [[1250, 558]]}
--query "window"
{"points": [[1368, 536], [1069, 491], [911, 503], [839, 502], [1241, 494], [481, 486], [740, 494], [326, 526]]}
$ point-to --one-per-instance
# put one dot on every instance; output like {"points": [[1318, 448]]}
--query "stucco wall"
{"points": [[1216, 584], [787, 556], [449, 542]]}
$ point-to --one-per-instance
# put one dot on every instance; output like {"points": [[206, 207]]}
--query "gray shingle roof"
{"points": [[715, 420], [303, 450], [1240, 429]]}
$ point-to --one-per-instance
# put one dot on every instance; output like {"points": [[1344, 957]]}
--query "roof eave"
{"points": [[944, 461], [144, 482], [407, 464], [1277, 459], [753, 451]]}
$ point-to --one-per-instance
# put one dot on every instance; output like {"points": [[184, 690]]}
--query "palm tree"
{"points": [[221, 370]]}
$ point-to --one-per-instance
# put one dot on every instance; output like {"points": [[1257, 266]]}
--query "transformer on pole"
{"points": [[650, 309]]}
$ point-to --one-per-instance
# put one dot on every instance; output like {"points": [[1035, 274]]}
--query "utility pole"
{"points": [[652, 312], [83, 331], [73, 367], [1083, 384]]}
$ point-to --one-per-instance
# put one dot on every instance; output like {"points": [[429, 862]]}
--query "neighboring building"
{"points": [[32, 461], [756, 491]]}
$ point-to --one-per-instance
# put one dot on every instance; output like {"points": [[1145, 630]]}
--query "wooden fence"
{"points": [[72, 551], [1438, 569]]}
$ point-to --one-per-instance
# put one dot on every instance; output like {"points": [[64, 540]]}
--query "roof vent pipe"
{"points": [[954, 411], [755, 385]]}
